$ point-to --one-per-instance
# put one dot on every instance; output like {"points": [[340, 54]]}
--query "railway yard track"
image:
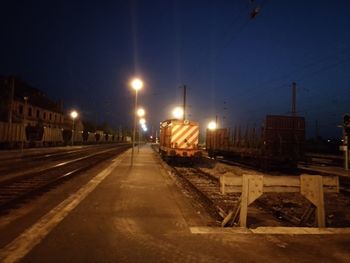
{"points": [[30, 176], [207, 187], [288, 209]]}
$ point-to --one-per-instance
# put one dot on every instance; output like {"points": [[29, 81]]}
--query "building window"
{"points": [[30, 110], [20, 109], [44, 116], [37, 114], [50, 116]]}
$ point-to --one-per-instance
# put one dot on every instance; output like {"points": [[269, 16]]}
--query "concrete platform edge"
{"points": [[271, 230]]}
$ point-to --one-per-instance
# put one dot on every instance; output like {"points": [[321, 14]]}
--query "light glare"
{"points": [[74, 114], [212, 125], [141, 112], [178, 113], [136, 84], [142, 121]]}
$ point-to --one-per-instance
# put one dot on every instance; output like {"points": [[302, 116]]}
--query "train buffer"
{"points": [[252, 186]]}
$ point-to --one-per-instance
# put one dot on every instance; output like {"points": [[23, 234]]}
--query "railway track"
{"points": [[287, 209], [17, 163], [20, 188], [208, 188]]}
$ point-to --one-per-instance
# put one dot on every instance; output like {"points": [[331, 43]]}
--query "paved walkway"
{"points": [[138, 214]]}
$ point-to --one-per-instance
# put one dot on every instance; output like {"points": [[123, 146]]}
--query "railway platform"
{"points": [[139, 214]]}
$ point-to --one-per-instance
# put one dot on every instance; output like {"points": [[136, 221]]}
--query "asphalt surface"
{"points": [[139, 214]]}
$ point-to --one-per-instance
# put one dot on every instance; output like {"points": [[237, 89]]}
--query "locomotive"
{"points": [[179, 139], [280, 143]]}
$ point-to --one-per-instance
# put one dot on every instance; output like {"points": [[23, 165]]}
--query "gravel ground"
{"points": [[290, 206]]}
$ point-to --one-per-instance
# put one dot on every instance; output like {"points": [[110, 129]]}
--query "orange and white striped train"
{"points": [[179, 138]]}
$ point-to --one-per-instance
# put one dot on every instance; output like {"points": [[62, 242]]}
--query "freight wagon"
{"points": [[279, 144], [179, 138], [13, 135]]}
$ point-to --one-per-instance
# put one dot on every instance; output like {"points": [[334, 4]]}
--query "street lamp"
{"points": [[212, 125], [141, 112], [178, 113], [136, 84], [74, 115], [142, 121]]}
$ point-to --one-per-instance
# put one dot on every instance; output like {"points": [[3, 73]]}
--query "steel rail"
{"points": [[29, 161], [207, 188], [16, 189]]}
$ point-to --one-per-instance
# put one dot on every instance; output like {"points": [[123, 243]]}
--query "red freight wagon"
{"points": [[284, 135], [217, 140], [280, 142]]}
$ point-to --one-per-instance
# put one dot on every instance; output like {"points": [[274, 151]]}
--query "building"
{"points": [[22, 103]]}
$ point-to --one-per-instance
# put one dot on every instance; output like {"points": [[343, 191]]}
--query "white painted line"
{"points": [[220, 230], [271, 230], [31, 237], [301, 230]]}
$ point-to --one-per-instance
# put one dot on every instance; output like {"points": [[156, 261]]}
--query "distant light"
{"points": [[151, 137], [141, 112], [178, 113], [144, 129], [74, 114], [212, 125], [142, 121], [328, 140], [342, 140], [136, 84]]}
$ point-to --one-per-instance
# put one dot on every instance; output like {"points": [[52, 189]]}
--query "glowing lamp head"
{"points": [[141, 112], [136, 84], [74, 114], [142, 121], [178, 113], [212, 125]]}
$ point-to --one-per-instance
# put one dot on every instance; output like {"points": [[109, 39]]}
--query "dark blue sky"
{"points": [[238, 68]]}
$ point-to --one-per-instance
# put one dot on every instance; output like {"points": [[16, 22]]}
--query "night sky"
{"points": [[236, 67]]}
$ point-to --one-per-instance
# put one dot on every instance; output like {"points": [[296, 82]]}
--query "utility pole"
{"points": [[23, 122], [11, 83], [294, 98], [184, 103], [345, 148], [346, 152]]}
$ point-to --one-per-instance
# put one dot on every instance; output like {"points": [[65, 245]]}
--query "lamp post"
{"points": [[74, 115], [23, 122], [136, 84]]}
